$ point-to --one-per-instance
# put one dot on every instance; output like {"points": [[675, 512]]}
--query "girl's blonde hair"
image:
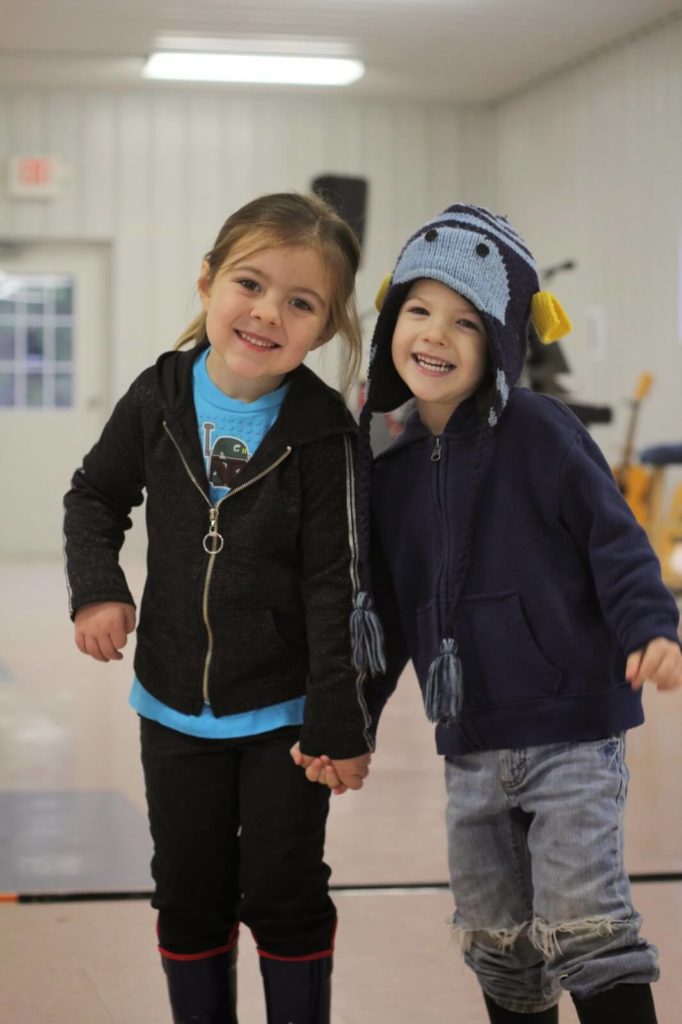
{"points": [[295, 219]]}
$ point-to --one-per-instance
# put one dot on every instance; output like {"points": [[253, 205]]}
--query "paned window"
{"points": [[36, 341]]}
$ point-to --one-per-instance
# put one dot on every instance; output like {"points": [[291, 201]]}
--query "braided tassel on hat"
{"points": [[366, 632], [367, 636], [444, 692]]}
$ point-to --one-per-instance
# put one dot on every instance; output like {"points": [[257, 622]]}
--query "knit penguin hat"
{"points": [[479, 255]]}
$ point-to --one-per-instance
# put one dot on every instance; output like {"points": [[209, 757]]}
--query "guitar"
{"points": [[633, 479], [668, 543]]}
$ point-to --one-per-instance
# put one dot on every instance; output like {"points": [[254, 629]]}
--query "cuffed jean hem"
{"points": [[635, 966], [516, 1006], [583, 977], [487, 953]]}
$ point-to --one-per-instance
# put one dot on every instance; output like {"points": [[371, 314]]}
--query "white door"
{"points": [[54, 303]]}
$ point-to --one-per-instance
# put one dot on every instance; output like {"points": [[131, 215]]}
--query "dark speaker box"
{"points": [[348, 196]]}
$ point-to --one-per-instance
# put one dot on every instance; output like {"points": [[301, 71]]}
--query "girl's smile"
{"points": [[256, 342]]}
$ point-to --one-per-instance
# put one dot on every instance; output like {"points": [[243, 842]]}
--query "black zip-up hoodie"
{"points": [[262, 620]]}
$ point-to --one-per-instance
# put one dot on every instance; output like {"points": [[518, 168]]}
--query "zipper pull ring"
{"points": [[213, 541], [435, 454]]}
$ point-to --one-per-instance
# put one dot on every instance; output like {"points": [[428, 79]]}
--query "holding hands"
{"points": [[660, 662], [339, 775]]}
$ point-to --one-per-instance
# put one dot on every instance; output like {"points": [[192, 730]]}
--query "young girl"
{"points": [[243, 644], [508, 567]]}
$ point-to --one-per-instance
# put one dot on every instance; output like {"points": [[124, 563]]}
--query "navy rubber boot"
{"points": [[203, 991], [297, 991]]}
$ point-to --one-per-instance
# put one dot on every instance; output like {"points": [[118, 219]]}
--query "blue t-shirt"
{"points": [[229, 430], [229, 433]]}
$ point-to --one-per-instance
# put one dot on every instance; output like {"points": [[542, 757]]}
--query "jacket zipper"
{"points": [[213, 541], [436, 455]]}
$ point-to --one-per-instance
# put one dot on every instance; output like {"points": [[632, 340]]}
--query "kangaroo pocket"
{"points": [[501, 660], [250, 641]]}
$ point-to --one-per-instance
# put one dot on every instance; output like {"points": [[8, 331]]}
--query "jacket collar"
{"points": [[464, 423], [311, 409]]}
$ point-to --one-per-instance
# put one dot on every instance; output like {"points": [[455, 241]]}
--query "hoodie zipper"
{"points": [[441, 590], [213, 541]]}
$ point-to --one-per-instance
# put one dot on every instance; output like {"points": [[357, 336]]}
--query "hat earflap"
{"points": [[549, 317]]}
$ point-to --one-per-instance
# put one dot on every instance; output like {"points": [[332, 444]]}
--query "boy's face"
{"points": [[439, 350]]}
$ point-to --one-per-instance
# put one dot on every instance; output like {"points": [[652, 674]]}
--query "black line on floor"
{"points": [[144, 894]]}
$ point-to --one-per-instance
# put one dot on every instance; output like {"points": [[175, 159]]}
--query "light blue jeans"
{"points": [[542, 898]]}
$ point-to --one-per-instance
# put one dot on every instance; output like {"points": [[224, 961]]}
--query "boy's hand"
{"points": [[101, 629], [660, 662], [352, 771]]}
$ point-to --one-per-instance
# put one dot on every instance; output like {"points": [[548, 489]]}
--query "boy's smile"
{"points": [[439, 350], [431, 364]]}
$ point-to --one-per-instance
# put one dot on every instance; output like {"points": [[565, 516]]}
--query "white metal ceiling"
{"points": [[464, 51]]}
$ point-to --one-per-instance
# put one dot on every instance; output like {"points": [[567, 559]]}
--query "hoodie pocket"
{"points": [[257, 640], [501, 660]]}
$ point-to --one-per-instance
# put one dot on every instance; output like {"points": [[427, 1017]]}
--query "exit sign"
{"points": [[34, 177]]}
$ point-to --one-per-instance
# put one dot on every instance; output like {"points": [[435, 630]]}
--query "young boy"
{"points": [[507, 566]]}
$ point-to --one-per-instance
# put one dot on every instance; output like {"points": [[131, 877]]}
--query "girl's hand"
{"points": [[318, 769], [297, 757], [101, 629], [322, 770], [660, 662]]}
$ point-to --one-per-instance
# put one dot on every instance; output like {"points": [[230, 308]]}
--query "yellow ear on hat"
{"points": [[549, 317], [381, 294]]}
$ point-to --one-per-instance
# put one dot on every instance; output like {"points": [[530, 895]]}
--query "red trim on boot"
{"points": [[321, 955], [297, 959]]}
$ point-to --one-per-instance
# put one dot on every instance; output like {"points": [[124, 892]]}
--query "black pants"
{"points": [[238, 836]]}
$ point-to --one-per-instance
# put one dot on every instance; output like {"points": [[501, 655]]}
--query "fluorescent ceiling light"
{"points": [[271, 47], [240, 67]]}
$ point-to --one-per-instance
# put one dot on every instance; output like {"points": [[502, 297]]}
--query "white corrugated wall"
{"points": [[589, 165], [156, 173]]}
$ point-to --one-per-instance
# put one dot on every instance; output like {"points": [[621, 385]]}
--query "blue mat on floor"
{"points": [[72, 841]]}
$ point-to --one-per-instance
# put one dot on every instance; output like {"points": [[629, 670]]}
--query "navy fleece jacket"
{"points": [[561, 587]]}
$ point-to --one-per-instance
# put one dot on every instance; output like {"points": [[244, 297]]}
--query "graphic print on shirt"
{"points": [[224, 458]]}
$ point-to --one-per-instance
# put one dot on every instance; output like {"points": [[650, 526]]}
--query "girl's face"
{"points": [[265, 312], [439, 349]]}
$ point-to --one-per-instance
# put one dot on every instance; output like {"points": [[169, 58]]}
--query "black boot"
{"points": [[624, 1004], [297, 991], [203, 991], [498, 1015]]}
